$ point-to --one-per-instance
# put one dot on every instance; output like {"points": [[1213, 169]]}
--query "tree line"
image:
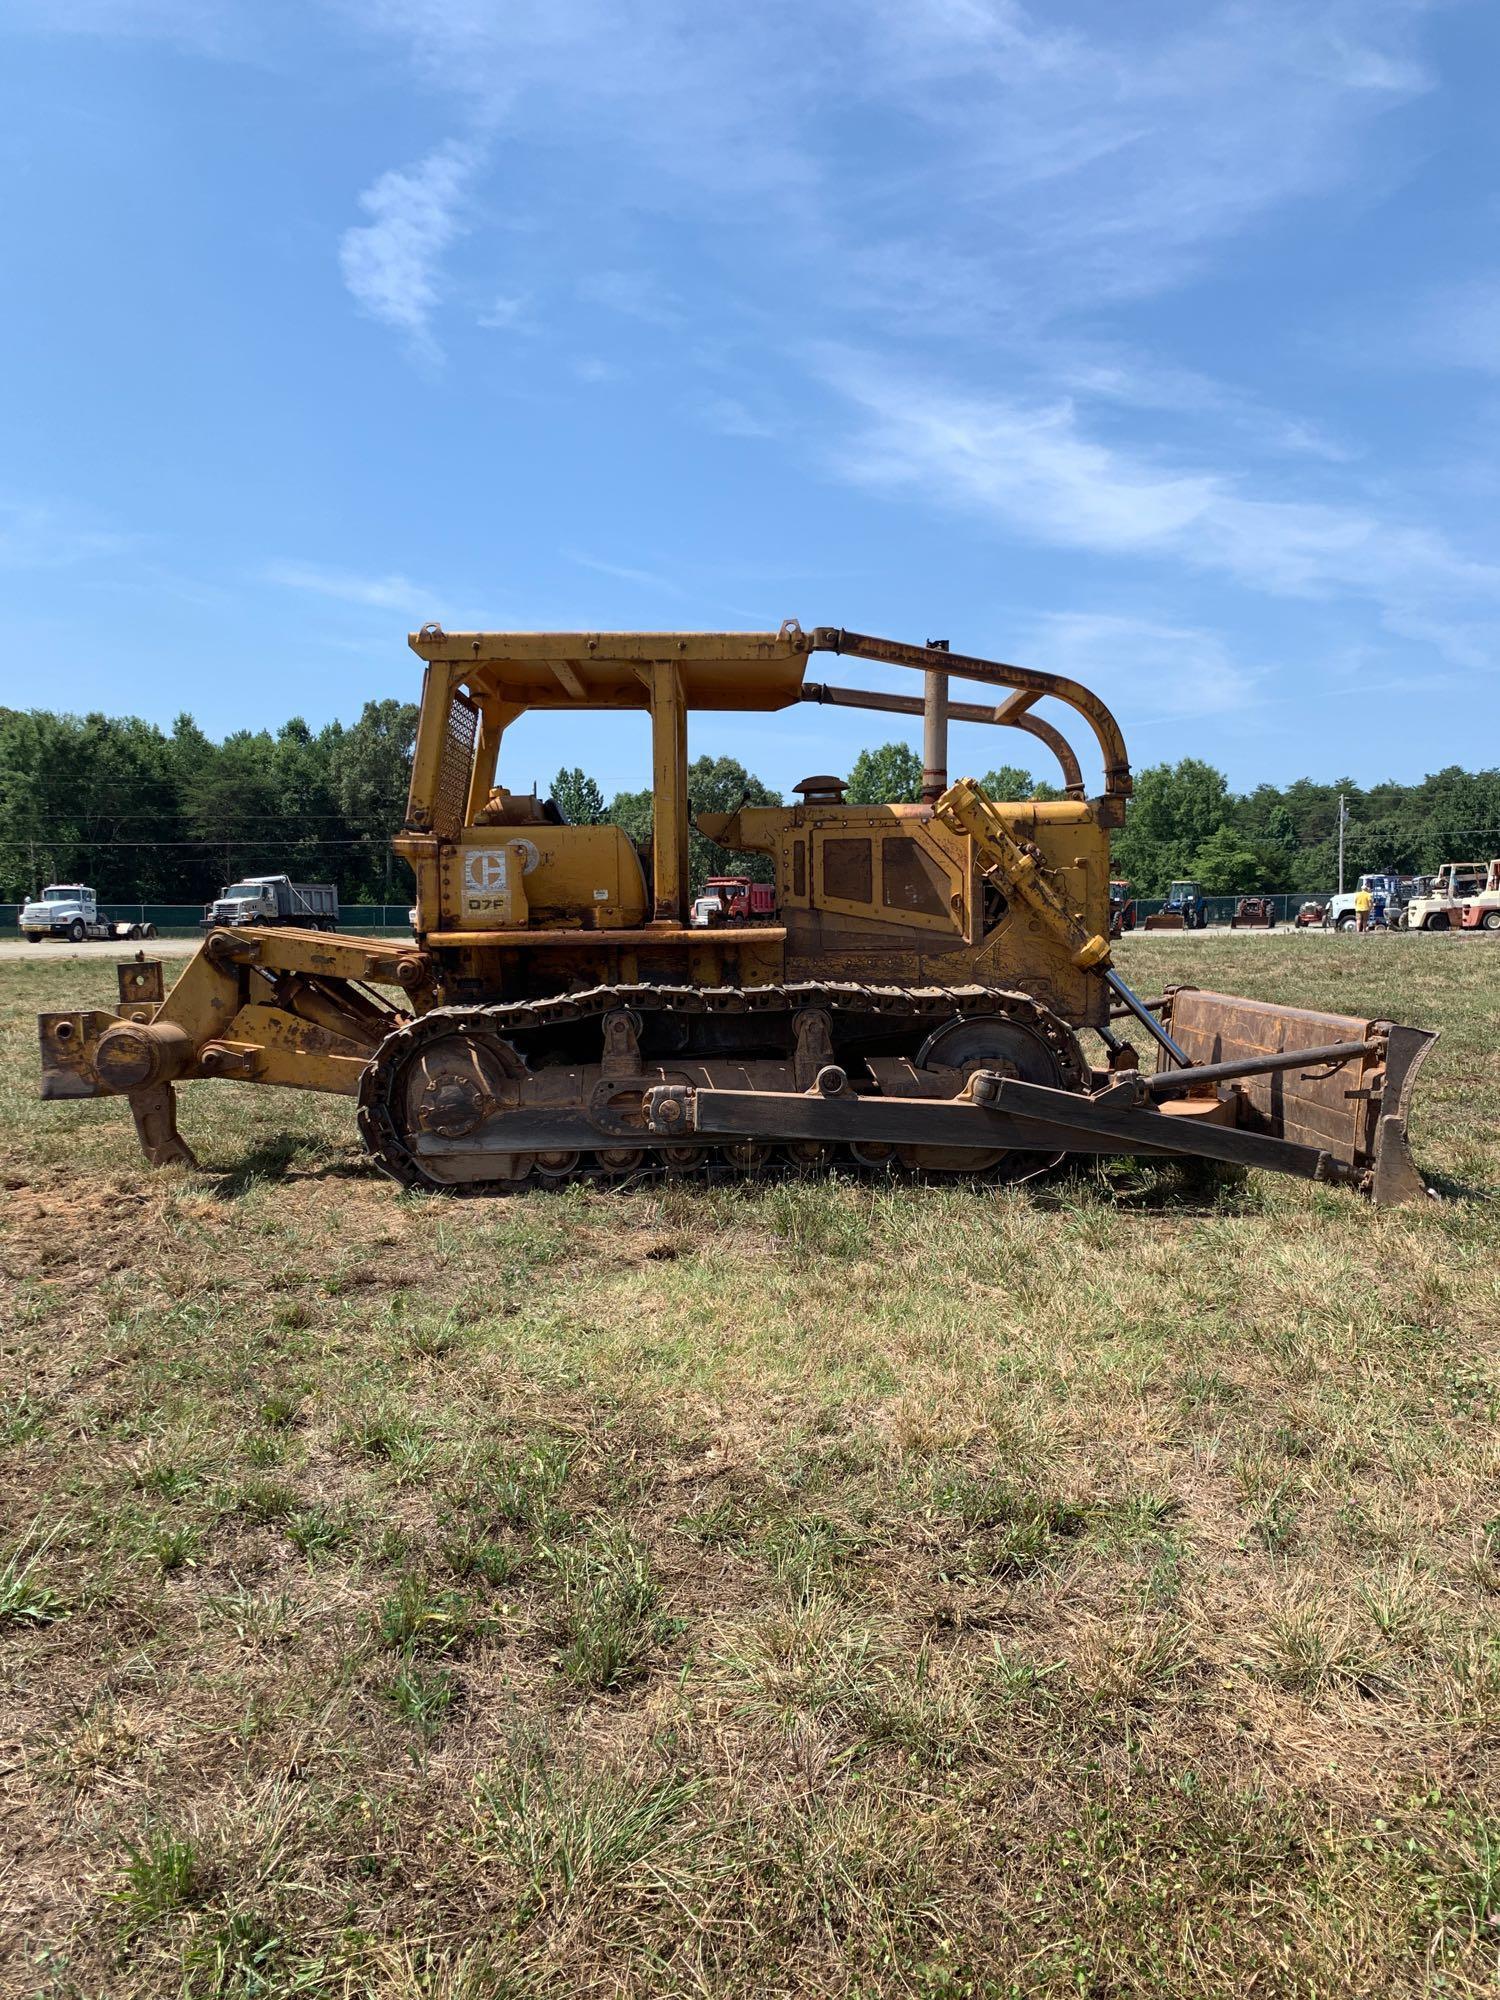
{"points": [[169, 816]]}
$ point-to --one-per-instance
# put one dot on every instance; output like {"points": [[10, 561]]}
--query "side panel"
{"points": [[501, 877]]}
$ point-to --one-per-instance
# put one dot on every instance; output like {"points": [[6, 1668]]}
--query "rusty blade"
{"points": [[1337, 1108]]}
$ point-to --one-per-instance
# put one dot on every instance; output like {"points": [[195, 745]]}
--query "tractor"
{"points": [[933, 996]]}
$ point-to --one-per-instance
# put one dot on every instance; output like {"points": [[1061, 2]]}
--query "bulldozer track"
{"points": [[510, 1022]]}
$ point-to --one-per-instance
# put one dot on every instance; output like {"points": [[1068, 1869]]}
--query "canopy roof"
{"points": [[723, 670]]}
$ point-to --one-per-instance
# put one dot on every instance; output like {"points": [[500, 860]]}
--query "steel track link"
{"points": [[380, 1121]]}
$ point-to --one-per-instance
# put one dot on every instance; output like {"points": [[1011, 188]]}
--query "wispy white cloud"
{"points": [[645, 579], [1174, 670], [731, 418], [392, 592], [1037, 472], [507, 315], [1095, 371], [1052, 167], [37, 534], [636, 294], [391, 263]]}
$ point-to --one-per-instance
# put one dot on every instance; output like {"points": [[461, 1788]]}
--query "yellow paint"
{"points": [[509, 902]]}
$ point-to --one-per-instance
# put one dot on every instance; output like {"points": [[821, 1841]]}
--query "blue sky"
{"points": [[1158, 344]]}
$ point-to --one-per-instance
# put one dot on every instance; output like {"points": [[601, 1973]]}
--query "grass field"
{"points": [[1083, 1589]]}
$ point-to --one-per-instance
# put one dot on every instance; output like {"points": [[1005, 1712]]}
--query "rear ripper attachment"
{"points": [[906, 991]]}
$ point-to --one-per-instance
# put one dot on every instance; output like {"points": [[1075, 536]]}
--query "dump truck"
{"points": [[936, 996], [742, 899], [71, 910], [275, 899]]}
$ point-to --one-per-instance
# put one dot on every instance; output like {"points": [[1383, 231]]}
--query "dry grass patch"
{"points": [[845, 1590]]}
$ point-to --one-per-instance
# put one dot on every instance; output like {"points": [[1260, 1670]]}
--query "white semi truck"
{"points": [[71, 910], [275, 899]]}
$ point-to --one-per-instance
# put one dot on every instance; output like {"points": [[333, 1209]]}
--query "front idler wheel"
{"points": [[994, 1043]]}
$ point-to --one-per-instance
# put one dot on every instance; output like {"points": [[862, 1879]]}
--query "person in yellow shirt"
{"points": [[1363, 903]]}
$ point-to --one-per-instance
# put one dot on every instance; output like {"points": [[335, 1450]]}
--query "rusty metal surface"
{"points": [[655, 937], [154, 1110], [966, 666], [958, 711], [68, 1045], [142, 983], [1002, 1113], [1336, 1105], [559, 1105]]}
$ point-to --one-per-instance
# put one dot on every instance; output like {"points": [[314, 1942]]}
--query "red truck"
{"points": [[734, 899]]}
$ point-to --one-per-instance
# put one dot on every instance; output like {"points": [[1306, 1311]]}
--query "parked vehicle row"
{"points": [[1462, 895], [71, 910]]}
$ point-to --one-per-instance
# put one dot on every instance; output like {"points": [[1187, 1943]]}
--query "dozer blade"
{"points": [[1355, 1111]]}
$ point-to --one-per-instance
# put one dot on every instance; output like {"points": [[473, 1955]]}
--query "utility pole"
{"points": [[1343, 816]]}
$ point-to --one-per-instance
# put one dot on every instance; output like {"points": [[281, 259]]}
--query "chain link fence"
{"points": [[384, 919], [186, 919], [1222, 908]]}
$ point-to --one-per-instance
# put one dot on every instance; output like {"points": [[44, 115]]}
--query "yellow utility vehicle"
{"points": [[917, 1002]]}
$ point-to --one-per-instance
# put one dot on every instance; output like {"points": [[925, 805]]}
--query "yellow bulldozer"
{"points": [[916, 999]]}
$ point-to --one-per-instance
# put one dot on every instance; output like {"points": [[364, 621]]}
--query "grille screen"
{"points": [[450, 806]]}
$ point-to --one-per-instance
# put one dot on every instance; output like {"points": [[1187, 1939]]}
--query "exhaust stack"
{"points": [[935, 728]]}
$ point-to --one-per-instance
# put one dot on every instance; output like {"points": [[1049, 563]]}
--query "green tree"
{"points": [[311, 822], [370, 767], [889, 776], [1008, 784], [1176, 808], [578, 798], [631, 811], [722, 785], [1226, 864], [231, 806], [152, 816]]}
